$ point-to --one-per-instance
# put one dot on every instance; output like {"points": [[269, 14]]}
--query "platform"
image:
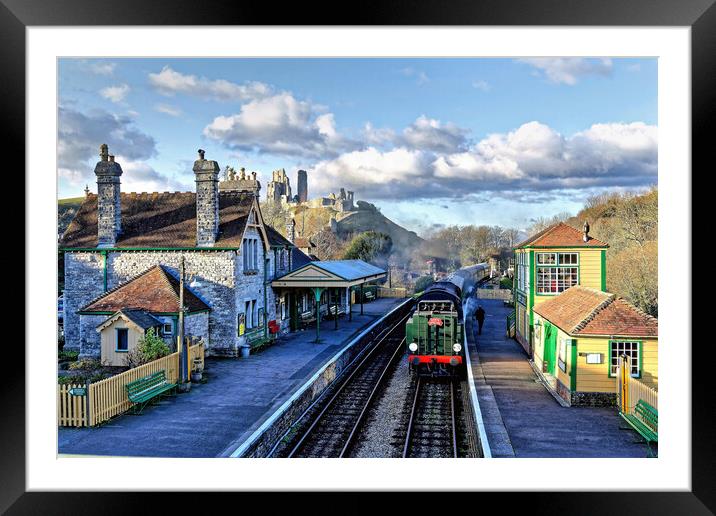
{"points": [[521, 417], [217, 416]]}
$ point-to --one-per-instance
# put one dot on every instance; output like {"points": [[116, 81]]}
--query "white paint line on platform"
{"points": [[266, 424], [486, 451]]}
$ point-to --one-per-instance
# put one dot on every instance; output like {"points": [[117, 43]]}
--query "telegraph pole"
{"points": [[180, 347]]}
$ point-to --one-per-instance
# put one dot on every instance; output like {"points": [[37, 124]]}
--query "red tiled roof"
{"points": [[621, 318], [585, 311], [561, 235], [155, 290], [572, 306], [160, 220]]}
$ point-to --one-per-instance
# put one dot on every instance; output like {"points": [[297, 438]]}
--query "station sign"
{"points": [[78, 391], [435, 321]]}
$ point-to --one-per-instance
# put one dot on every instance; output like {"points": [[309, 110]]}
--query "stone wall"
{"points": [[90, 338], [214, 270], [276, 427], [586, 399], [594, 399], [197, 325], [84, 281], [250, 285]]}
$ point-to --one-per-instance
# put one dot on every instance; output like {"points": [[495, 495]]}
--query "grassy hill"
{"points": [[66, 211], [314, 223]]}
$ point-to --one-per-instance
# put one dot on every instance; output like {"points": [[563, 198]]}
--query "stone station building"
{"points": [[123, 253], [230, 255]]}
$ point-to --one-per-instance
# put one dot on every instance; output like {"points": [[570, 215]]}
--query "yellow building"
{"points": [[580, 335], [121, 332], [549, 263]]}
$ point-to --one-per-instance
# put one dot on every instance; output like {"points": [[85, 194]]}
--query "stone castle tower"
{"points": [[207, 200], [109, 207], [279, 189], [302, 186]]}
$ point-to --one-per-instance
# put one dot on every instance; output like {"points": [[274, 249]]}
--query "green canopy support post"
{"points": [[337, 294], [317, 291], [361, 298]]}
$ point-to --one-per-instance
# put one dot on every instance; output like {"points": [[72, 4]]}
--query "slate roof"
{"points": [[561, 235], [299, 258], [141, 318], [276, 239], [155, 290], [349, 269], [585, 311], [160, 220]]}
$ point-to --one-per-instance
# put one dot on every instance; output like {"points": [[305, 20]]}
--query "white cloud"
{"points": [[97, 67], [170, 82], [423, 134], [430, 134], [420, 76], [533, 157], [80, 135], [377, 136], [481, 85], [167, 109], [281, 125], [138, 176], [568, 70], [115, 93]]}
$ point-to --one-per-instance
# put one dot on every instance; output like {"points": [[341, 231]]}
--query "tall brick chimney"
{"points": [[207, 201], [109, 207]]}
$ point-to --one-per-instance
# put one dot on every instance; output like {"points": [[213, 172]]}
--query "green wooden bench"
{"points": [[645, 420], [141, 392]]}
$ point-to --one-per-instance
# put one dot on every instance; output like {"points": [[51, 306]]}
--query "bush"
{"points": [[506, 283], [86, 364], [423, 282], [150, 347], [68, 355]]}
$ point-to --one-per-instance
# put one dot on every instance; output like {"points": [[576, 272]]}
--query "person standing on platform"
{"points": [[480, 316]]}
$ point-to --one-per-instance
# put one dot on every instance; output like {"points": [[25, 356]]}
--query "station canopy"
{"points": [[330, 274]]}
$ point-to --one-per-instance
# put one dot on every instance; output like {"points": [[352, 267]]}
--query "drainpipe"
{"points": [[104, 267]]}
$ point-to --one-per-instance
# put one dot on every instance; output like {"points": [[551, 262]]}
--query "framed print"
{"points": [[418, 249]]}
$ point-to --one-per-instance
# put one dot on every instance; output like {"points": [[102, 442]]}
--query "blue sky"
{"points": [[429, 141]]}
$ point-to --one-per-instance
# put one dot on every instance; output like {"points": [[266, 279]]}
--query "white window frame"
{"points": [[562, 354], [617, 349], [164, 329]]}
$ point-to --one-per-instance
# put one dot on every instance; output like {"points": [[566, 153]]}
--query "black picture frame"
{"points": [[700, 15]]}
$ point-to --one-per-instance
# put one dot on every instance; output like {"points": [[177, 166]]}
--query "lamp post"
{"points": [[184, 385]]}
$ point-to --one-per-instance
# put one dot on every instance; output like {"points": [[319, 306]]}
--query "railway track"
{"points": [[335, 429], [432, 425]]}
